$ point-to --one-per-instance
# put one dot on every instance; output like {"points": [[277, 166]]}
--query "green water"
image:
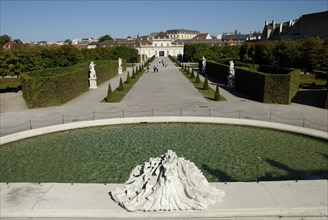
{"points": [[108, 154]]}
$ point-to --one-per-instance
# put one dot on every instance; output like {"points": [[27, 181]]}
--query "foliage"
{"points": [[4, 39], [105, 37], [197, 78], [219, 71], [121, 87], [217, 93], [10, 84], [61, 84], [24, 58], [118, 94], [128, 78], [109, 93], [205, 85], [268, 88]]}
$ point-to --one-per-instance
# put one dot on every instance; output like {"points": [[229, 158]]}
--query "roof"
{"points": [[202, 36], [8, 44], [161, 35], [231, 42]]}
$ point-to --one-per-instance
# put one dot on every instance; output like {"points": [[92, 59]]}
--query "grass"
{"points": [[10, 83], [208, 94], [108, 154], [117, 95]]}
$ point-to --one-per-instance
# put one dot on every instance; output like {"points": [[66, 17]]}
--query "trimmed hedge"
{"points": [[264, 87], [268, 88], [56, 86], [219, 71]]}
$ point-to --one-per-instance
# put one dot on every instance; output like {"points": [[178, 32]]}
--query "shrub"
{"points": [[197, 78], [217, 93], [192, 75], [120, 87], [218, 71], [205, 86], [133, 75], [109, 93], [128, 80], [58, 85]]}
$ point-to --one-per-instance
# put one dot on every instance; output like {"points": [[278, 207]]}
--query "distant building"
{"points": [[181, 34], [234, 36], [203, 36], [159, 45], [309, 25], [8, 45]]}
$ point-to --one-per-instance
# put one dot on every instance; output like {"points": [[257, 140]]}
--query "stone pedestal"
{"points": [[120, 71], [93, 83], [231, 81]]}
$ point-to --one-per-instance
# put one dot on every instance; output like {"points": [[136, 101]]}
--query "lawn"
{"points": [[9, 83], [108, 154]]}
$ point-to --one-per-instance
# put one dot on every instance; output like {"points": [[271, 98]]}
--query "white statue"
{"points": [[203, 63], [231, 77], [92, 70], [166, 183], [232, 68], [119, 62]]}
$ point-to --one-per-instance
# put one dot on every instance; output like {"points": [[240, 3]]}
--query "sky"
{"points": [[55, 20]]}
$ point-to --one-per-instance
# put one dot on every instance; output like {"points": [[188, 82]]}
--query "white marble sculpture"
{"points": [[231, 77], [120, 71], [92, 70], [203, 64], [166, 183], [93, 77]]}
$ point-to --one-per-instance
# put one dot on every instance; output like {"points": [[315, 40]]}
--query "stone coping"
{"points": [[135, 120], [264, 200]]}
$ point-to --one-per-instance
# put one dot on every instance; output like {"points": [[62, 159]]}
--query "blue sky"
{"points": [[62, 19]]}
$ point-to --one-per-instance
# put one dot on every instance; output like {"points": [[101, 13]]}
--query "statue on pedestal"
{"points": [[231, 77], [92, 70], [203, 64], [93, 77], [120, 71]]}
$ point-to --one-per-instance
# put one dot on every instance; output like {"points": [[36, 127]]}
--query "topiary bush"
{"points": [[109, 93], [197, 78], [205, 85], [121, 87], [217, 93]]}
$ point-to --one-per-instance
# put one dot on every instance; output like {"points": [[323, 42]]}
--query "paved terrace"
{"points": [[166, 93]]}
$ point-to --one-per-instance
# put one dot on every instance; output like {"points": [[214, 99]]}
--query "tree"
{"points": [[18, 41], [217, 93], [105, 37], [310, 48], [205, 85], [109, 93], [128, 80], [4, 39], [120, 87]]}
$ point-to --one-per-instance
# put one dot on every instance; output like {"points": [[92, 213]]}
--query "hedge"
{"points": [[268, 88], [56, 86], [219, 71]]}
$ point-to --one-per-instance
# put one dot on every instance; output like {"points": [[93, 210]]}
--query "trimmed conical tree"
{"points": [[205, 86], [192, 75], [197, 78], [133, 75], [109, 93], [128, 78], [217, 93], [120, 87], [134, 72]]}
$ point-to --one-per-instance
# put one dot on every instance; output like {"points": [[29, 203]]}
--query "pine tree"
{"points": [[109, 93], [217, 93], [120, 87], [205, 86]]}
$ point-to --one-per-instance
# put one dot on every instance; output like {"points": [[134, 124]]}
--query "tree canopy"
{"points": [[105, 37]]}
